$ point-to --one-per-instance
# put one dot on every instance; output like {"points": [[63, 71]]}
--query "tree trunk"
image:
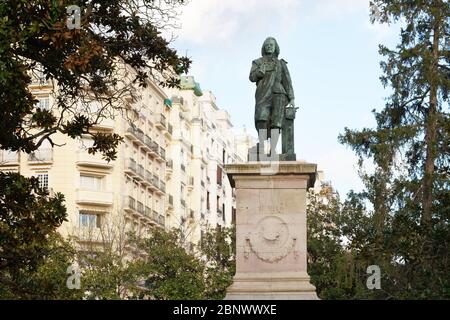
{"points": [[430, 134]]}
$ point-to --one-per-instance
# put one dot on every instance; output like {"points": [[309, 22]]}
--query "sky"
{"points": [[332, 53]]}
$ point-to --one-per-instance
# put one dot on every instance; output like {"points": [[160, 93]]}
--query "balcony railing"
{"points": [[130, 202], [136, 132], [148, 141], [163, 120], [162, 220], [9, 157], [148, 176], [162, 152], [162, 186], [94, 197], [140, 207], [141, 170], [130, 165], [91, 160], [41, 155]]}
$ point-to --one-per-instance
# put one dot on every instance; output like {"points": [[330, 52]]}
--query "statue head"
{"points": [[270, 47]]}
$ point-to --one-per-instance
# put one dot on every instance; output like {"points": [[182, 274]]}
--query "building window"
{"points": [[43, 180], [207, 200], [43, 103], [91, 182], [89, 220], [223, 212], [218, 203], [223, 155]]}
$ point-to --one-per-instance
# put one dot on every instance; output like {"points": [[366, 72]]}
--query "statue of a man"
{"points": [[274, 93]]}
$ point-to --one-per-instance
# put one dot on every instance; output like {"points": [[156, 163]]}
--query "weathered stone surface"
{"points": [[271, 232]]}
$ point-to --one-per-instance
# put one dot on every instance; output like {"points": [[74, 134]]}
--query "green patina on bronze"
{"points": [[274, 99]]}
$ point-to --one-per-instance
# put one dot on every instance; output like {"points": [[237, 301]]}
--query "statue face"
{"points": [[269, 46]]}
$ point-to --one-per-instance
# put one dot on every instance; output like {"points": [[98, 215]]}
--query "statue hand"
{"points": [[262, 68], [292, 103]]}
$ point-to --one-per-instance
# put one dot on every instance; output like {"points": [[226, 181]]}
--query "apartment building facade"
{"points": [[98, 192], [202, 143], [169, 171]]}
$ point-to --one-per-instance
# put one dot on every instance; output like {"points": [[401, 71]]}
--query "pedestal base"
{"points": [[271, 286], [271, 230]]}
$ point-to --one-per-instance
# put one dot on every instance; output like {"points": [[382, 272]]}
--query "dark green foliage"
{"points": [[35, 40], [170, 272], [218, 249], [33, 257], [400, 222]]}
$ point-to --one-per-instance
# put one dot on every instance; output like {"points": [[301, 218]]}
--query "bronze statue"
{"points": [[274, 105]]}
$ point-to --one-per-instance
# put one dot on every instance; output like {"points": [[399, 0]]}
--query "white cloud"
{"points": [[206, 20], [221, 20]]}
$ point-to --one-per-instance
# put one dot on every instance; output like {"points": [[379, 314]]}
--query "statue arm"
{"points": [[288, 83], [257, 72]]}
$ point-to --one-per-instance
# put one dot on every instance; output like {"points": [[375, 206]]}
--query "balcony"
{"points": [[147, 143], [162, 153], [9, 158], [136, 135], [105, 123], [149, 213], [170, 201], [190, 183], [91, 160], [140, 173], [154, 148], [162, 221], [41, 156], [147, 178], [161, 123], [130, 204], [169, 130], [169, 167], [130, 167], [151, 182], [94, 197], [162, 186], [157, 183], [140, 207]]}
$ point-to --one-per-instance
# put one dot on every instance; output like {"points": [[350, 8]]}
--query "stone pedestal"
{"points": [[271, 230]]}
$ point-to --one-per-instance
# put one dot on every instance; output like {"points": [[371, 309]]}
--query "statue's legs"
{"points": [[263, 134], [279, 101]]}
